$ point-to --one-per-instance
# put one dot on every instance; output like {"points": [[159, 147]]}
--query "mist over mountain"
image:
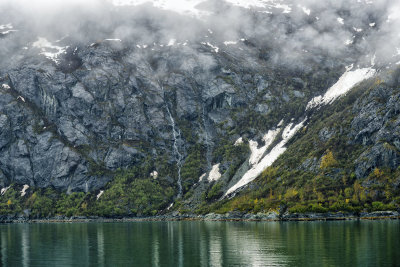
{"points": [[304, 31]]}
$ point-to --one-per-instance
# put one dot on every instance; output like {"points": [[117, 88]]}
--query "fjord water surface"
{"points": [[350, 243]]}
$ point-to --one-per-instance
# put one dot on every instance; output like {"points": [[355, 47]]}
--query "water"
{"points": [[354, 243]]}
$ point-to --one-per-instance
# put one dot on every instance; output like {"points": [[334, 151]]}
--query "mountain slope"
{"points": [[248, 107]]}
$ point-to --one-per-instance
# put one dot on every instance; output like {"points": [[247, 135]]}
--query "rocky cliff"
{"points": [[105, 119]]}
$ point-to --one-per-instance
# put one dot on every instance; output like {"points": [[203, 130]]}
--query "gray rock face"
{"points": [[107, 113], [376, 126], [105, 105], [325, 134], [379, 155]]}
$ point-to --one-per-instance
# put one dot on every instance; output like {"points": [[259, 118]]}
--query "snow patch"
{"points": [[48, 49], [21, 98], [113, 40], [6, 29], [202, 177], [239, 141], [257, 153], [258, 167], [230, 43], [171, 42], [215, 48], [372, 24], [347, 81], [5, 86], [4, 190], [340, 20], [348, 42], [214, 173], [6, 26], [350, 67], [357, 29], [154, 174], [306, 10], [99, 194], [23, 191]]}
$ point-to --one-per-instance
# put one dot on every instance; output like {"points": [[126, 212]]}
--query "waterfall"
{"points": [[176, 134]]}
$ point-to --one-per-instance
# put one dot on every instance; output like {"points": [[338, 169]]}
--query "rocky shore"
{"points": [[234, 216]]}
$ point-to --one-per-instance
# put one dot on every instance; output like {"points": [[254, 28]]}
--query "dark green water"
{"points": [[353, 243]]}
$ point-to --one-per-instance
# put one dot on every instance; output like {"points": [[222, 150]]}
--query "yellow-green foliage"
{"points": [[328, 161], [378, 173], [291, 194]]}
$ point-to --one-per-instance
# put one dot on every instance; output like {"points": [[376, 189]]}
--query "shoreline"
{"points": [[259, 217]]}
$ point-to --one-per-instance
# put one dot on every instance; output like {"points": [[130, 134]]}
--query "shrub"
{"points": [[328, 161]]}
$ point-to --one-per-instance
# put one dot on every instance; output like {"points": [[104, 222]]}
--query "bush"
{"points": [[318, 208], [215, 192], [298, 208], [328, 161], [379, 206]]}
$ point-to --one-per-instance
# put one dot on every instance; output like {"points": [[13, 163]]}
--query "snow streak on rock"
{"points": [[214, 173], [99, 194], [49, 50], [239, 141], [259, 162], [23, 191], [347, 81], [215, 48], [6, 29], [202, 177], [257, 153], [259, 165], [4, 190]]}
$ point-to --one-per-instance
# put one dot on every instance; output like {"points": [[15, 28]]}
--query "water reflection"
{"points": [[25, 245], [100, 245], [3, 247], [201, 244]]}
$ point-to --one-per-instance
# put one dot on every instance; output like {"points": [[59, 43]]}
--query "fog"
{"points": [[293, 33]]}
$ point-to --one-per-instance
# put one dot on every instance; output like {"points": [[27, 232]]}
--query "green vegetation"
{"points": [[129, 194], [193, 167], [317, 175], [215, 192]]}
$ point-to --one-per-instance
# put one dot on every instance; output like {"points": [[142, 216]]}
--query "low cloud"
{"points": [[308, 31]]}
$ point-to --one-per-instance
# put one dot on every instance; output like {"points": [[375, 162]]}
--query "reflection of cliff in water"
{"points": [[201, 244]]}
